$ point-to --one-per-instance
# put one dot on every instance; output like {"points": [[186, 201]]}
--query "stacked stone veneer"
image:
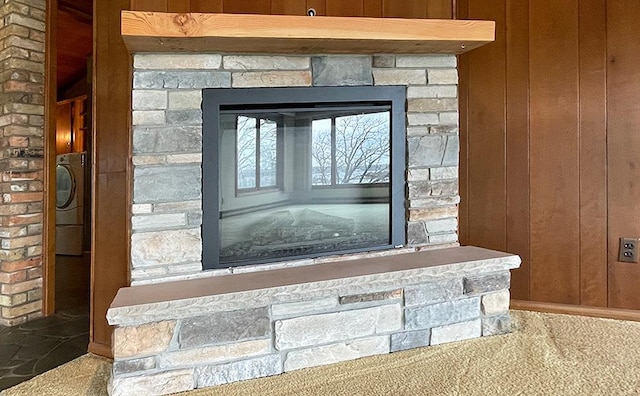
{"points": [[167, 144], [175, 346], [21, 159]]}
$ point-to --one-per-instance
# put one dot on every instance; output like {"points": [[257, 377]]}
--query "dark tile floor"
{"points": [[42, 344]]}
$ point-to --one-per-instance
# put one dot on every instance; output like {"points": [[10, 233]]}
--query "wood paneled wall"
{"points": [[111, 181], [367, 8], [550, 139]]}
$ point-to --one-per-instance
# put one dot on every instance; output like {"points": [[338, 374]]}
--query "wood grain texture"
{"points": [[294, 34], [623, 123], [439, 9], [555, 201], [372, 8], [246, 6], [179, 5], [517, 143], [593, 152], [404, 9], [594, 312], [486, 193], [49, 218], [110, 179]]}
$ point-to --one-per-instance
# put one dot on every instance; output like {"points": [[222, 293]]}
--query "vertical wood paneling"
{"points": [[404, 9], [373, 8], [462, 12], [623, 122], [206, 5], [486, 192], [517, 155], [345, 8], [246, 6], [110, 180], [439, 9], [289, 7], [319, 5], [593, 153], [555, 242], [179, 5], [147, 5]]}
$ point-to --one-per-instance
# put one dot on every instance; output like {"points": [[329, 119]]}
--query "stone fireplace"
{"points": [[182, 325]]}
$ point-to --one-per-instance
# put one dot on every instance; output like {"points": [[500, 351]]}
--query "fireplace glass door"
{"points": [[302, 179]]}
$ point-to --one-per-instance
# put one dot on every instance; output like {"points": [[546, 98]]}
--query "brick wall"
{"points": [[21, 159], [167, 144]]}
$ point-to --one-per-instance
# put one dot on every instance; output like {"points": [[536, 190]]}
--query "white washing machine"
{"points": [[70, 170]]}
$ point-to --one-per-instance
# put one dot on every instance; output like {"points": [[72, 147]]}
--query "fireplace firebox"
{"points": [[292, 173]]}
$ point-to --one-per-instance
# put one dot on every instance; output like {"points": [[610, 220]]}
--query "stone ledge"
{"points": [[183, 299]]}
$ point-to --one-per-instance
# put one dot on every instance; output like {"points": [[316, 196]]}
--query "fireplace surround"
{"points": [[182, 325]]}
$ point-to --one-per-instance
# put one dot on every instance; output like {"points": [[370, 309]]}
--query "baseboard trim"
{"points": [[596, 312], [100, 349]]}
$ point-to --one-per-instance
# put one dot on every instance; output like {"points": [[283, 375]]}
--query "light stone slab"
{"points": [[158, 221], [153, 384], [443, 238], [215, 354], [433, 91], [149, 100], [399, 77], [425, 151], [165, 247], [133, 365], [444, 173], [196, 306], [148, 117], [456, 332], [440, 212], [224, 327], [266, 62], [326, 328], [433, 292], [495, 303], [271, 79], [329, 354], [410, 339], [423, 119], [176, 61], [303, 307], [443, 225], [238, 371], [144, 340], [432, 105], [185, 99], [443, 76], [426, 61], [475, 285]]}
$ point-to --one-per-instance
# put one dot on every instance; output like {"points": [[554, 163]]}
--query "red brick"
{"points": [[21, 287], [22, 197], [13, 277], [34, 273], [22, 86], [12, 266], [33, 218]]}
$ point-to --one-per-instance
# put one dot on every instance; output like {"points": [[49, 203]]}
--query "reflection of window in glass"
{"points": [[256, 153], [351, 149]]}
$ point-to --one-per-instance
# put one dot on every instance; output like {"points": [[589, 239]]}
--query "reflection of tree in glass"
{"points": [[361, 150], [246, 152]]}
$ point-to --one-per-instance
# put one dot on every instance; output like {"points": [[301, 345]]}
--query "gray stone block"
{"points": [[265, 62], [433, 292], [341, 70], [384, 61], [181, 79], [149, 100], [167, 183], [494, 325], [486, 284], [456, 332], [442, 314], [184, 117], [238, 371], [449, 118], [441, 225], [121, 367], [303, 307], [451, 152], [176, 61], [426, 61], [415, 119], [278, 78], [416, 233], [410, 340], [425, 151], [151, 249], [399, 77], [369, 297], [185, 139], [444, 129], [224, 327], [432, 104], [163, 383]]}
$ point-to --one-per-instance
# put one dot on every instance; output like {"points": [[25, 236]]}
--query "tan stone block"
{"points": [[157, 384], [271, 79], [399, 77], [216, 354], [422, 214], [143, 340], [252, 62], [15, 243], [495, 303], [443, 76], [15, 312], [21, 286], [432, 105]]}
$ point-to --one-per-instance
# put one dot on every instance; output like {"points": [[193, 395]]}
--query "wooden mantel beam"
{"points": [[171, 32]]}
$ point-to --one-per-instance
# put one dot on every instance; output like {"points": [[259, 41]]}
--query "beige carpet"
{"points": [[546, 355]]}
